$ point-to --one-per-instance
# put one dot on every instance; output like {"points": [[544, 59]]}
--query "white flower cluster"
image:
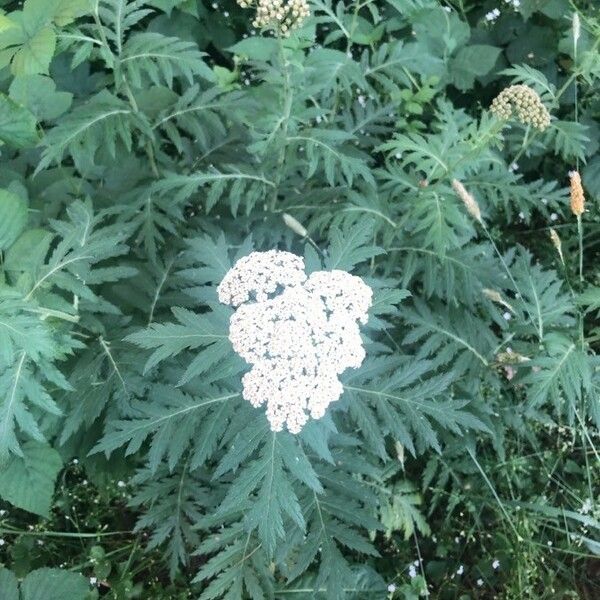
{"points": [[493, 14], [280, 15], [298, 333]]}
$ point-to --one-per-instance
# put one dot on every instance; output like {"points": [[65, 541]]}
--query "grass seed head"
{"points": [[468, 200], [577, 196]]}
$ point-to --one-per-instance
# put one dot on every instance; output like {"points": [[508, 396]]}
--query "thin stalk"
{"points": [[495, 494], [579, 225], [63, 534], [539, 327], [580, 235], [287, 111]]}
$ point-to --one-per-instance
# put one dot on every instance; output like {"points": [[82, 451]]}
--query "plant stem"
{"points": [[287, 111], [580, 235], [512, 279]]}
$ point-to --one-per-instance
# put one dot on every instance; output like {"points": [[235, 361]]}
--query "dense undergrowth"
{"points": [[148, 145]]}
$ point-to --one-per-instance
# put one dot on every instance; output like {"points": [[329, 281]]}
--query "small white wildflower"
{"points": [[513, 167], [2, 542], [495, 564], [93, 580], [460, 570], [492, 15], [586, 507], [448, 9], [553, 217], [121, 484], [412, 572], [362, 100], [75, 461], [507, 316], [40, 542], [391, 588], [522, 216], [226, 13], [480, 582], [2, 513]]}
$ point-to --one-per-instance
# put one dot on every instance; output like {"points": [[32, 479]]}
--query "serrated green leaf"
{"points": [[13, 218], [17, 124], [27, 481]]}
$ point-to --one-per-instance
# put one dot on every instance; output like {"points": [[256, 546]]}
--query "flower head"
{"points": [[260, 274], [281, 16], [299, 334], [524, 103]]}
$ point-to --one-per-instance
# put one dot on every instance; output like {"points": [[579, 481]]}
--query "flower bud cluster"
{"points": [[524, 103], [299, 341], [281, 16]]}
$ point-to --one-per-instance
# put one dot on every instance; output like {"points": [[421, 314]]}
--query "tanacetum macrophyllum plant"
{"points": [[298, 299]]}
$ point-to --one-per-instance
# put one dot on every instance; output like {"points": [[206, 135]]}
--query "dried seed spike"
{"points": [[468, 200], [577, 196], [495, 296], [557, 244]]}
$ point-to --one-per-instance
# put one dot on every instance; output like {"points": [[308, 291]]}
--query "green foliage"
{"points": [[44, 584], [28, 480], [149, 145]]}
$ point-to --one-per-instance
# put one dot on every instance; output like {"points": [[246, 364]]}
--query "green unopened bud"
{"points": [[295, 225]]}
